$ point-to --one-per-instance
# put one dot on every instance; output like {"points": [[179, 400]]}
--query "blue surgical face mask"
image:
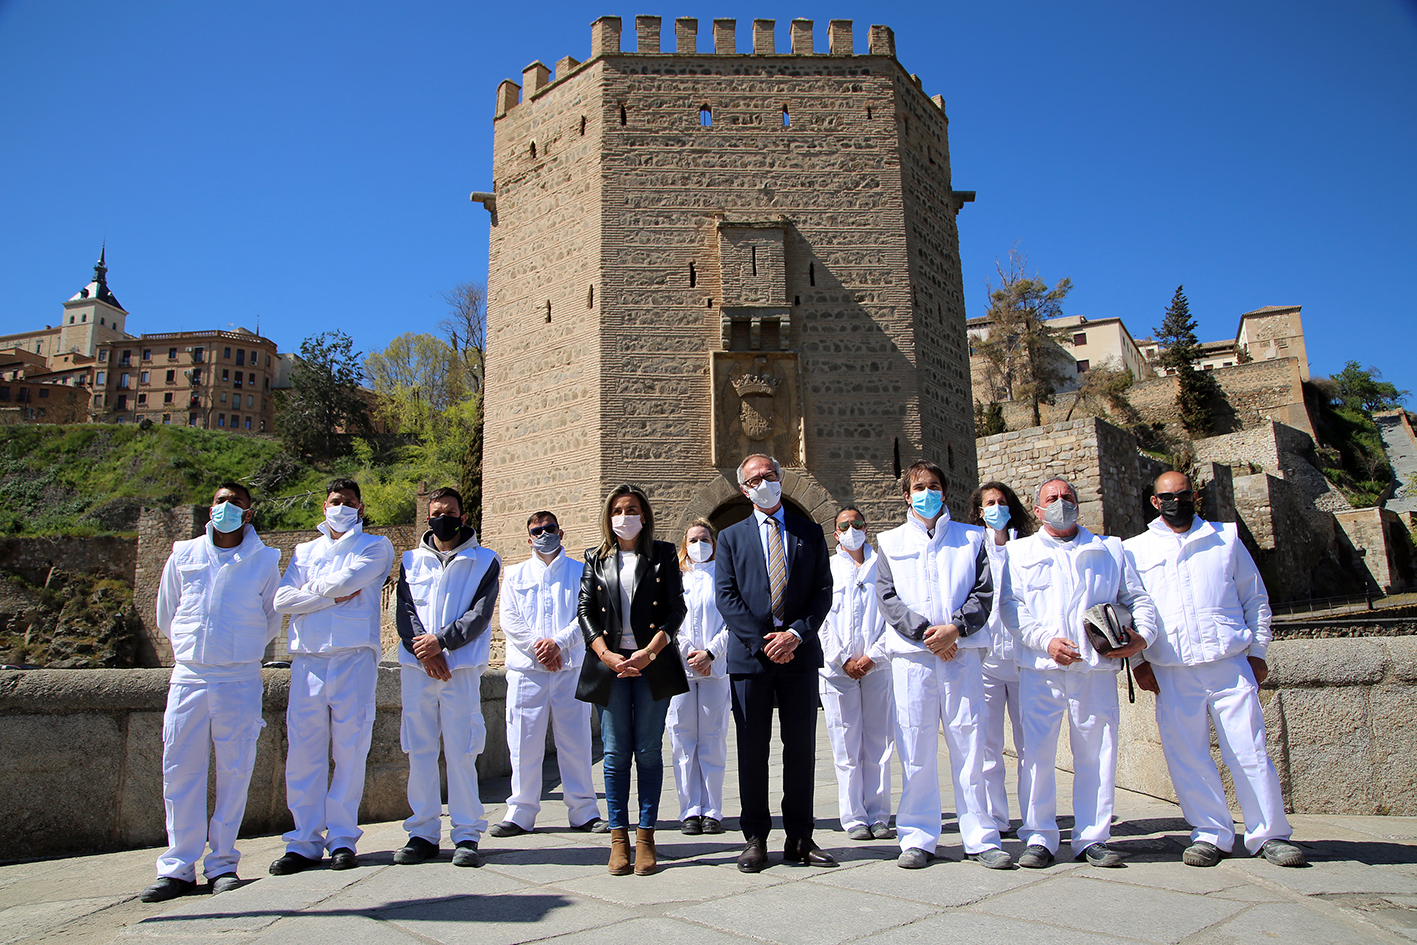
{"points": [[927, 502], [996, 516], [226, 517]]}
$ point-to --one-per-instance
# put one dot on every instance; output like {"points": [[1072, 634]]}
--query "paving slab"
{"points": [[801, 913], [1173, 875], [1291, 922], [502, 919], [1099, 907], [974, 929], [18, 922], [669, 886], [940, 884], [335, 930], [550, 864], [656, 930], [1328, 877]]}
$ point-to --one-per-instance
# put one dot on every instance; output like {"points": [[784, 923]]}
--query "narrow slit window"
{"points": [[786, 118], [693, 276], [705, 116], [622, 114], [868, 112], [582, 124], [533, 149], [590, 298], [811, 273], [753, 253], [548, 311]]}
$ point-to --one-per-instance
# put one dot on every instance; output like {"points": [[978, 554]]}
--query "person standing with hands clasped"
{"points": [[631, 605], [216, 603], [1055, 576], [446, 593], [698, 719], [1206, 664], [856, 685]]}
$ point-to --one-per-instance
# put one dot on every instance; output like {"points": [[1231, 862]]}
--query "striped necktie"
{"points": [[777, 567]]}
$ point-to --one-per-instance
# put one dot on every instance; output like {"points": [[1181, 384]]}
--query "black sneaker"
{"points": [[465, 854], [292, 863], [226, 882], [167, 887], [506, 829], [417, 850], [343, 858], [1101, 856], [1036, 857]]}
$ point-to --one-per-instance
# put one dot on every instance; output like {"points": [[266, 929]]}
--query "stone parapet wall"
{"points": [[82, 766], [32, 558]]}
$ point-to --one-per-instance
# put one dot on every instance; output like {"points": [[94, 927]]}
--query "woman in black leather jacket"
{"points": [[631, 605]]}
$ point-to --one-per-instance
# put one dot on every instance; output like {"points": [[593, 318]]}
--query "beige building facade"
{"points": [[700, 254]]}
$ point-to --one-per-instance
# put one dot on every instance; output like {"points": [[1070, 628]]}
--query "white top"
{"points": [[539, 603], [854, 626], [934, 574], [323, 569], [217, 606], [1210, 599], [1053, 582], [1001, 662], [442, 586], [703, 627], [629, 561]]}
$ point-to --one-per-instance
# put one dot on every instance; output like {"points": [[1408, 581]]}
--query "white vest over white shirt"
{"points": [[933, 576], [703, 627], [1002, 659], [219, 614], [321, 570], [1210, 600], [854, 626], [539, 603], [441, 593]]}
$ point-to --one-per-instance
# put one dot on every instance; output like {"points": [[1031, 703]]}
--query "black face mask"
{"points": [[445, 526], [1178, 512]]}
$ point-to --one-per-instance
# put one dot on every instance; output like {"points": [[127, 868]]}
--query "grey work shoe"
{"points": [[1101, 856], [880, 831], [167, 887], [506, 829], [594, 825], [993, 858], [465, 854], [226, 882], [860, 832], [914, 859], [417, 850], [1283, 853], [1202, 853], [1036, 857]]}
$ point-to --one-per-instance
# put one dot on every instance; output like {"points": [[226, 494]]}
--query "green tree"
{"points": [[323, 401], [989, 420], [418, 377], [1103, 392], [1180, 349], [1364, 390], [1024, 361]]}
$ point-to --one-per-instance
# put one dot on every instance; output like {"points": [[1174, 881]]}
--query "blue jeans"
{"points": [[633, 723]]}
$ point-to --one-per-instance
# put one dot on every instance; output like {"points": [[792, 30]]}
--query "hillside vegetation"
{"points": [[89, 479]]}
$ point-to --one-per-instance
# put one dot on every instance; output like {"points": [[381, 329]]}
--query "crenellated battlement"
{"points": [[605, 36]]}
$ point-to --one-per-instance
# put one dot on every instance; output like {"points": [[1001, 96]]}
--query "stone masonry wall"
{"points": [[32, 558]]}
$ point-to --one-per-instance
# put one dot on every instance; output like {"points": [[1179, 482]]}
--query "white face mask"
{"points": [[625, 526], [765, 495], [700, 550], [341, 518], [852, 539]]}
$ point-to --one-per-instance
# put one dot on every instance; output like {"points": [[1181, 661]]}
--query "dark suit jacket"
{"points": [[745, 599], [658, 604]]}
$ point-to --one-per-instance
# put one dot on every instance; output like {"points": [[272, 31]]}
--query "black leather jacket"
{"points": [[658, 605]]}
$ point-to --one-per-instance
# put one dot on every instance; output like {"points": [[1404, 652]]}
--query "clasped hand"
{"points": [[547, 653], [699, 662], [625, 667], [943, 641], [780, 646]]}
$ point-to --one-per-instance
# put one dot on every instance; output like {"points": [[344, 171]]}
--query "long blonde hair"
{"points": [[644, 542], [685, 562]]}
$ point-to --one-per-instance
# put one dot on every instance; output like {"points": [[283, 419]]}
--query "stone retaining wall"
{"points": [[81, 771], [32, 558]]}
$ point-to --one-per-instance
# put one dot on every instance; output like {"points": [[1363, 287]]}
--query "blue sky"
{"points": [[308, 164]]}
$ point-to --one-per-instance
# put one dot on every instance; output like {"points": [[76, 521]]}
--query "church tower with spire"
{"points": [[92, 315]]}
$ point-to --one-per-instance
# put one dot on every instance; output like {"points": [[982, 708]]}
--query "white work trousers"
{"points": [[1001, 695], [202, 718], [331, 713], [450, 710], [698, 736], [861, 725], [929, 691], [1225, 691], [534, 700], [1088, 702]]}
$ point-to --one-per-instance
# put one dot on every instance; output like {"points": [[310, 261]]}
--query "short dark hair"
{"points": [[922, 466], [849, 508], [447, 492], [542, 514], [233, 487], [344, 485]]}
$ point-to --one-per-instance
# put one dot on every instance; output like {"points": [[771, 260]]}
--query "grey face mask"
{"points": [[1061, 515], [546, 542]]}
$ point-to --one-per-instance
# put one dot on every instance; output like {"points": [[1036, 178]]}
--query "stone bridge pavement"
{"points": [[551, 885]]}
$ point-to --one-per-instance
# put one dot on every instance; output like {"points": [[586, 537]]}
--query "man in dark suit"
{"points": [[774, 585]]}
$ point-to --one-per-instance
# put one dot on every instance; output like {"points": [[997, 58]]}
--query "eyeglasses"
{"points": [[759, 480], [843, 526], [543, 529], [1167, 496]]}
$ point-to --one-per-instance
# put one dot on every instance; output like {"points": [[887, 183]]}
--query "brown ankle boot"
{"points": [[646, 863], [619, 852]]}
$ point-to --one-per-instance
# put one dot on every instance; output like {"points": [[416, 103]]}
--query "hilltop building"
{"points": [[700, 254]]}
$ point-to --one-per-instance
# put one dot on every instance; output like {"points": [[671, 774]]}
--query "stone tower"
{"points": [[700, 254]]}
